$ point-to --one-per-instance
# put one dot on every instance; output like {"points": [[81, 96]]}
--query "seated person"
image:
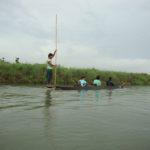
{"points": [[82, 82], [97, 81], [109, 82]]}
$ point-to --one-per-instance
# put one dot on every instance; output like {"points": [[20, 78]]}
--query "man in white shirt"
{"points": [[50, 68]]}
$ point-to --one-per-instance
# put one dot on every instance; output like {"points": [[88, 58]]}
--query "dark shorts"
{"points": [[49, 75]]}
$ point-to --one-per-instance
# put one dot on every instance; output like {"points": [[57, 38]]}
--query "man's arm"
{"points": [[49, 62], [54, 53]]}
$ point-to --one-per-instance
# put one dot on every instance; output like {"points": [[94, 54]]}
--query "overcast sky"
{"points": [[108, 35]]}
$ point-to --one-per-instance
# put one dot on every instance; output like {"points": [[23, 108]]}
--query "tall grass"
{"points": [[12, 73]]}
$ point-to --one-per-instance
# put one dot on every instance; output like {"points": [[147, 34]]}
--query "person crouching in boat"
{"points": [[97, 81], [109, 83], [50, 67], [82, 82]]}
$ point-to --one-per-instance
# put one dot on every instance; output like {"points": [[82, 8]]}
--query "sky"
{"points": [[107, 35]]}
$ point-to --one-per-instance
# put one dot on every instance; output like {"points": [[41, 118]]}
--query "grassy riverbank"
{"points": [[35, 74]]}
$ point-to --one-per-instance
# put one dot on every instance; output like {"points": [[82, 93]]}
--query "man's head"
{"points": [[110, 78], [83, 77], [98, 77], [50, 55]]}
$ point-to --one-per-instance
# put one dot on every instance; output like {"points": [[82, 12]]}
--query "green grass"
{"points": [[12, 73]]}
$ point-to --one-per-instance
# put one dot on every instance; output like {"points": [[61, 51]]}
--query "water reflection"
{"points": [[46, 112], [48, 118], [83, 93], [48, 98], [97, 95], [110, 94]]}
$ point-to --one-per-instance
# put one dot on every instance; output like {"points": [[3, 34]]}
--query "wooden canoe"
{"points": [[82, 88], [77, 88]]}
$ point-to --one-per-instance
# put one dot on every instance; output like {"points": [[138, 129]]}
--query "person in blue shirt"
{"points": [[97, 81], [82, 82]]}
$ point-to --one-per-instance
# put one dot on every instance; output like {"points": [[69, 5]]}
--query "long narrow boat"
{"points": [[83, 88], [77, 88]]}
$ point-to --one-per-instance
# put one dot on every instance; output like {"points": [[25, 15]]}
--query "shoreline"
{"points": [[35, 74]]}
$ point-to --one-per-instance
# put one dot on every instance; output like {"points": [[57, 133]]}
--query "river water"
{"points": [[36, 118]]}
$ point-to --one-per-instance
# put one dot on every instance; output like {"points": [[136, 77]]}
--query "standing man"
{"points": [[50, 67]]}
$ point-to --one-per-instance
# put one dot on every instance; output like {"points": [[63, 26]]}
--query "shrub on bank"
{"points": [[18, 73]]}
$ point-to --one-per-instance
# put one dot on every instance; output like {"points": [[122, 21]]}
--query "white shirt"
{"points": [[48, 65]]}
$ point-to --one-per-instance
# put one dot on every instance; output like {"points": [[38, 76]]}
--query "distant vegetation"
{"points": [[19, 73]]}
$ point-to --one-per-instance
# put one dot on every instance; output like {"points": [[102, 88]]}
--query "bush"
{"points": [[36, 74]]}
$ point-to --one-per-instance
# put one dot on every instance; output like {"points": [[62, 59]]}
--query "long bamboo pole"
{"points": [[56, 41]]}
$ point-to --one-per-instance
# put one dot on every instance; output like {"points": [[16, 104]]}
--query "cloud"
{"points": [[77, 58], [112, 34]]}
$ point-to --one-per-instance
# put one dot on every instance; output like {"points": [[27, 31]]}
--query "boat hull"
{"points": [[77, 88], [82, 88]]}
